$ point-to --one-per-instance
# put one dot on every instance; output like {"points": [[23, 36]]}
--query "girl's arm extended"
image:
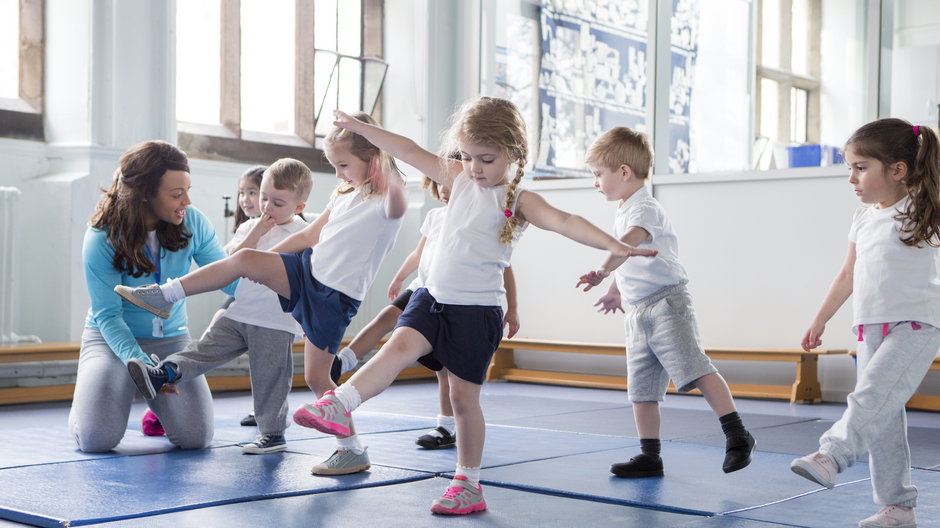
{"points": [[407, 268], [634, 236], [305, 238], [839, 292], [400, 147], [535, 210]]}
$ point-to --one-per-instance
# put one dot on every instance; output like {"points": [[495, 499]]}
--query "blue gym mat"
{"points": [[676, 423], [847, 504], [100, 490], [406, 506], [694, 482], [504, 445], [366, 423]]}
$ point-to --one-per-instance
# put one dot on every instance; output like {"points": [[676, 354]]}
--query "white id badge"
{"points": [[157, 327]]}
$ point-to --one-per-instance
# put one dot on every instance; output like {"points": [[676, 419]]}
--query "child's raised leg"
{"points": [[443, 436], [465, 495], [739, 444], [648, 463], [263, 267]]}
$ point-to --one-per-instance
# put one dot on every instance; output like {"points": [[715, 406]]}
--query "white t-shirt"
{"points": [[430, 229], [638, 278], [468, 261], [255, 303], [353, 243], [892, 281]]}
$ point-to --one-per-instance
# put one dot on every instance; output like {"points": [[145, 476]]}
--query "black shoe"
{"points": [[738, 449], [444, 440], [640, 466], [148, 379], [336, 370], [249, 421]]}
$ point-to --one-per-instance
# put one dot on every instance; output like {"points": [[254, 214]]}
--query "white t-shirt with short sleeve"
{"points": [[638, 278], [430, 229], [255, 303], [353, 243]]}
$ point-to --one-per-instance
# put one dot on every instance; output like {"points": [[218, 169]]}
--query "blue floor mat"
{"points": [[504, 445], [406, 506], [847, 504], [126, 487], [366, 423], [676, 423], [694, 482]]}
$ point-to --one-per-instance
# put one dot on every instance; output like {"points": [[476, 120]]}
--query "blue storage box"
{"points": [[805, 155]]}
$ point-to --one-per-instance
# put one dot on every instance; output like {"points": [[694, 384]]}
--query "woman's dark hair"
{"points": [[122, 210]]}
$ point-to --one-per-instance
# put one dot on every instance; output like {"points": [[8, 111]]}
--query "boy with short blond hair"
{"points": [[663, 342], [254, 321]]}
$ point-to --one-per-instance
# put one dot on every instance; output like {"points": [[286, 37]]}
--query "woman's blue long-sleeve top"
{"points": [[119, 321]]}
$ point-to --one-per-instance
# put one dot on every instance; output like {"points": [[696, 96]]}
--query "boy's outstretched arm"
{"points": [[400, 147]]}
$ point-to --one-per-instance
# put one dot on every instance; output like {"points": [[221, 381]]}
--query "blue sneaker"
{"points": [[264, 444], [149, 298]]}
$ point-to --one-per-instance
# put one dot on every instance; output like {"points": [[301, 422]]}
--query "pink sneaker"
{"points": [[460, 498], [893, 516], [150, 424], [326, 415], [816, 467]]}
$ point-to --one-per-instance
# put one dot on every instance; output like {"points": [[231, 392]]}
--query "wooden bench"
{"points": [[805, 387], [923, 402], [32, 352]]}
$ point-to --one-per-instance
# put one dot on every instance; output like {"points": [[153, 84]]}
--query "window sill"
{"points": [[19, 120], [216, 142]]}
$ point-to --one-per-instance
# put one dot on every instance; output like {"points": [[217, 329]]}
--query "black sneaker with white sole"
{"points": [[439, 438], [264, 444]]}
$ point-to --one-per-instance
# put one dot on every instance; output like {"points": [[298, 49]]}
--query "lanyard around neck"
{"points": [[156, 261]]}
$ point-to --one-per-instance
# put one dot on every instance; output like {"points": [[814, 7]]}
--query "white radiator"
{"points": [[8, 198]]}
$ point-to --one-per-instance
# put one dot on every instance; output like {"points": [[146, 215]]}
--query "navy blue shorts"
{"points": [[463, 337], [401, 302], [323, 313]]}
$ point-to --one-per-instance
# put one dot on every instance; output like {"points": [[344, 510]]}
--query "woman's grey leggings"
{"points": [[104, 392]]}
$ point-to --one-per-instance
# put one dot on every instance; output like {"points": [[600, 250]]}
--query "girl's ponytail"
{"points": [[924, 189], [507, 234]]}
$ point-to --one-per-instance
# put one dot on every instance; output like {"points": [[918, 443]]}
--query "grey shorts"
{"points": [[662, 344]]}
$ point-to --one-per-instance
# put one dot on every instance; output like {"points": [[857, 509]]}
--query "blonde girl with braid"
{"points": [[455, 321], [890, 271]]}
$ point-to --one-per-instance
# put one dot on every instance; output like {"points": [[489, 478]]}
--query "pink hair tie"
{"points": [[916, 130], [507, 213]]}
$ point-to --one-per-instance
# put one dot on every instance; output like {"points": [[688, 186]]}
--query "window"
{"points": [[263, 84], [788, 67], [21, 53]]}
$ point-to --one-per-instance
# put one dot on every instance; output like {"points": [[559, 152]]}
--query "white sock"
{"points": [[348, 359], [348, 396], [471, 474], [447, 422], [351, 443], [172, 291]]}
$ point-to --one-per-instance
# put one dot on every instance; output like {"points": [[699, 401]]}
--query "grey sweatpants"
{"points": [[890, 368], [270, 365], [104, 392]]}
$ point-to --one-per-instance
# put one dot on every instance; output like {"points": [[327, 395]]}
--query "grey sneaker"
{"points": [[149, 298], [148, 379], [343, 462], [264, 444], [891, 516], [816, 467]]}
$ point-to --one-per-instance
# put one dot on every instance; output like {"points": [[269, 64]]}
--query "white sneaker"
{"points": [[891, 516]]}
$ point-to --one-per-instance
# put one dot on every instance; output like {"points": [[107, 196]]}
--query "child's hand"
{"points": [[512, 320], [609, 303], [344, 120], [627, 251], [592, 279], [265, 223], [394, 288], [813, 337], [169, 388]]}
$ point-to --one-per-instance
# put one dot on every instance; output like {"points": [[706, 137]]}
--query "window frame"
{"points": [[22, 117], [227, 141], [785, 77]]}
